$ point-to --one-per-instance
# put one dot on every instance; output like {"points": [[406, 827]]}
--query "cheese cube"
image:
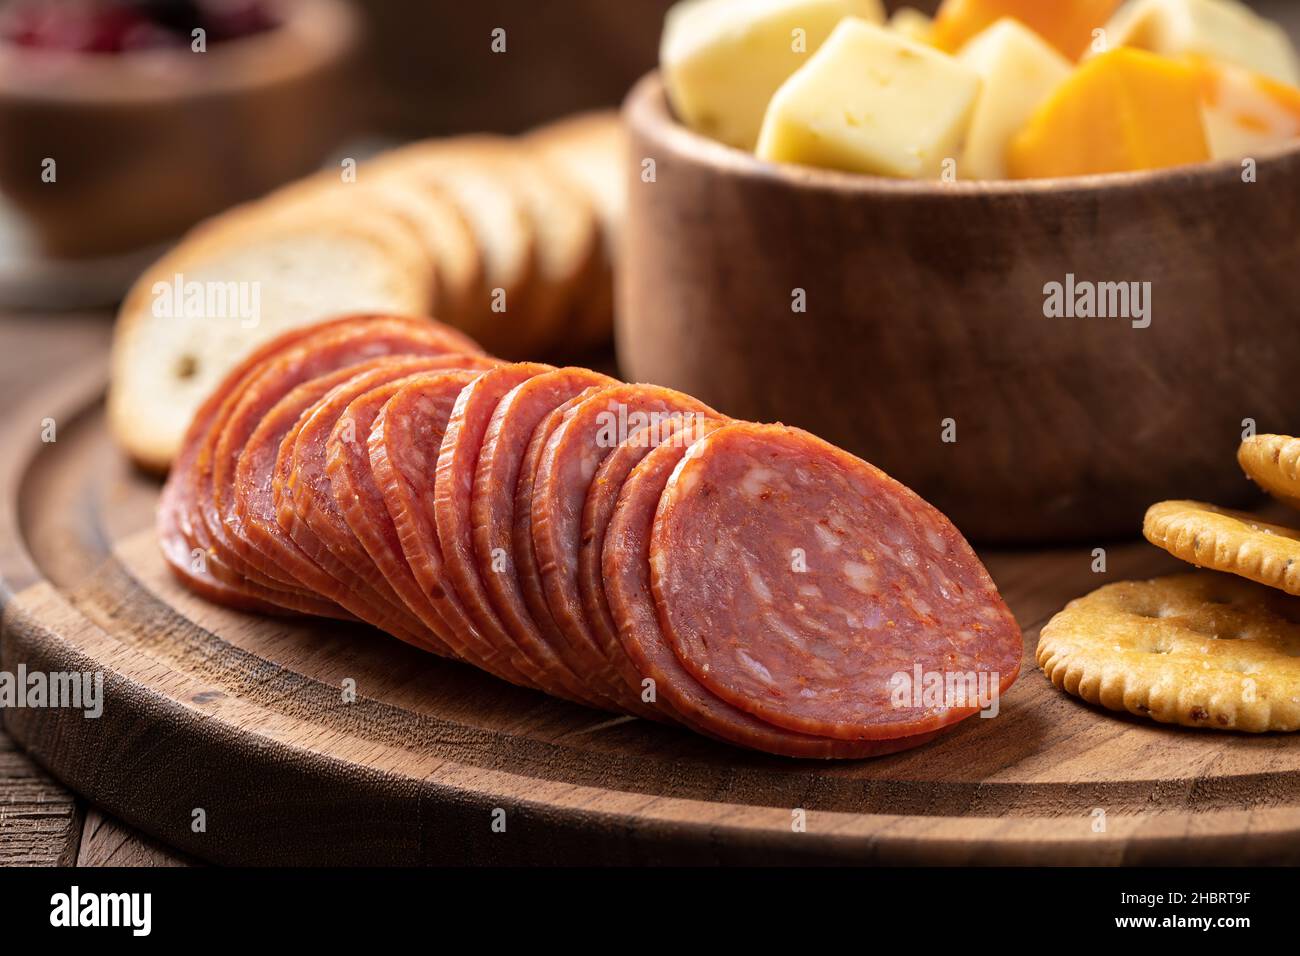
{"points": [[1219, 29], [1066, 24], [1124, 110], [1020, 70], [723, 59], [1245, 112], [871, 101], [912, 23]]}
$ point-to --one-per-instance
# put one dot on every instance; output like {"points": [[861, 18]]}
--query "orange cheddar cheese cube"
{"points": [[1124, 110], [1066, 24]]}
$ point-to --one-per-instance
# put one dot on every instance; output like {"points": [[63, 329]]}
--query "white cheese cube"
{"points": [[1220, 29], [1246, 113], [871, 101], [723, 59], [1020, 70]]}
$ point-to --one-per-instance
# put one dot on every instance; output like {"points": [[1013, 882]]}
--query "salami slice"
{"points": [[585, 436], [626, 572], [522, 556], [338, 345], [405, 448], [453, 497], [492, 507], [369, 339], [257, 530], [359, 499], [186, 546], [830, 589], [256, 533], [308, 512], [597, 510]]}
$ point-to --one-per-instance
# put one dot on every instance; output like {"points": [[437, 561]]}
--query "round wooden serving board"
{"points": [[244, 718]]}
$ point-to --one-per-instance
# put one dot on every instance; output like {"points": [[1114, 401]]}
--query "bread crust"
{"points": [[156, 368]]}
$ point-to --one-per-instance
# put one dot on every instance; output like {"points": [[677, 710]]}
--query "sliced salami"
{"points": [[597, 510], [352, 343], [626, 567], [308, 513], [360, 501], [183, 533], [405, 446], [492, 508], [834, 594], [522, 555], [216, 527], [453, 499], [256, 533], [621, 546], [585, 436]]}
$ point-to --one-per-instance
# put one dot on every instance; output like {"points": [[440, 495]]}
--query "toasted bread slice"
{"points": [[568, 244], [436, 218], [240, 280], [498, 215], [592, 150]]}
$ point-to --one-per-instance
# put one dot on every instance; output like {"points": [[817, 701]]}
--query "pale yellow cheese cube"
{"points": [[871, 101], [1219, 29], [1020, 70], [723, 59], [1245, 112], [912, 23]]}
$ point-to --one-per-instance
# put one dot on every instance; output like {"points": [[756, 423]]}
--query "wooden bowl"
{"points": [[925, 308], [148, 143]]}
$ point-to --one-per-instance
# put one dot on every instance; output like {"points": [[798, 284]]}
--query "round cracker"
{"points": [[1273, 463], [1200, 649], [1224, 540]]}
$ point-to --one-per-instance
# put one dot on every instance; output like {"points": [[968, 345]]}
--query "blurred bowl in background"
{"points": [[147, 142]]}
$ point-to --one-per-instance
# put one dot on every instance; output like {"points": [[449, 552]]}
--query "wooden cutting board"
{"points": [[244, 719]]}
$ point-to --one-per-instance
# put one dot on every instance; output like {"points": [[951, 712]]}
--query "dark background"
{"points": [[431, 70]]}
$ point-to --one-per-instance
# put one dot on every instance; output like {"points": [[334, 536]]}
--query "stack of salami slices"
{"points": [[621, 546]]}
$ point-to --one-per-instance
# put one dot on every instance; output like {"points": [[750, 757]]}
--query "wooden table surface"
{"points": [[42, 823]]}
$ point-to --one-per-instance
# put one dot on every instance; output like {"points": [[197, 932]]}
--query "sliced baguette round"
{"points": [[436, 218], [497, 214], [592, 150], [288, 268], [568, 244]]}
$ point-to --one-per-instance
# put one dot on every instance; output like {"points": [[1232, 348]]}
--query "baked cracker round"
{"points": [[1273, 463], [1223, 540], [1200, 649]]}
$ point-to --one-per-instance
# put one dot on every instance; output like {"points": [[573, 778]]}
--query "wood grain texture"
{"points": [[244, 718], [107, 842], [40, 821], [925, 303]]}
